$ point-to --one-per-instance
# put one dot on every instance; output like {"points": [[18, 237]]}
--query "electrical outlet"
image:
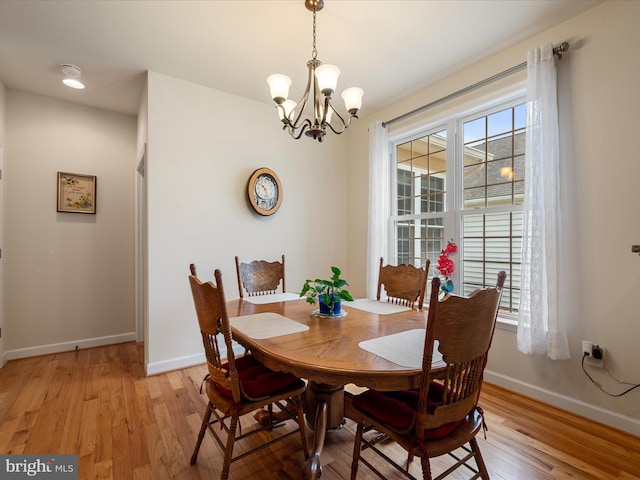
{"points": [[596, 359]]}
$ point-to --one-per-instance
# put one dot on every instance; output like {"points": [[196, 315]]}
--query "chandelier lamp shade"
{"points": [[322, 81]]}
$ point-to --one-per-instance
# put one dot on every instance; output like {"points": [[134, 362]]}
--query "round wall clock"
{"points": [[265, 191]]}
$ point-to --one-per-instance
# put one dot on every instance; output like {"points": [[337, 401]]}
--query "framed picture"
{"points": [[76, 193]]}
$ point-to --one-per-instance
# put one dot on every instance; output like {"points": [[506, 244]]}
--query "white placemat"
{"points": [[404, 348], [272, 298], [376, 306], [266, 325]]}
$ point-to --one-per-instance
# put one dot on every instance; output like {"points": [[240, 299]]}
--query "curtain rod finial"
{"points": [[560, 49]]}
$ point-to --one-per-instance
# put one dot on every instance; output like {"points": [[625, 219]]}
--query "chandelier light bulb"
{"points": [[287, 109], [279, 86], [327, 76], [353, 99]]}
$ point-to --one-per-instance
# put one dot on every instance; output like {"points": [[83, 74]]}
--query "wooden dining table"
{"points": [[329, 353]]}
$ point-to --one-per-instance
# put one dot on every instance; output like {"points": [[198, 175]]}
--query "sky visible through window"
{"points": [[497, 123]]}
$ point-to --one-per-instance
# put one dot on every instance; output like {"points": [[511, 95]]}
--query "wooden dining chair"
{"points": [[404, 284], [238, 386], [443, 414], [259, 277]]}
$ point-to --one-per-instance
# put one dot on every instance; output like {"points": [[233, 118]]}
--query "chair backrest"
{"points": [[404, 284], [463, 327], [211, 311], [259, 277]]}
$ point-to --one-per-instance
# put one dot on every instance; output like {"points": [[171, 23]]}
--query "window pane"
{"points": [[418, 240], [495, 160], [492, 242], [500, 122], [499, 195], [475, 197], [475, 152], [474, 175], [519, 142], [421, 174], [474, 130], [518, 168], [473, 249]]}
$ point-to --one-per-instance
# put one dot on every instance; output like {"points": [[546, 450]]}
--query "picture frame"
{"points": [[76, 193]]}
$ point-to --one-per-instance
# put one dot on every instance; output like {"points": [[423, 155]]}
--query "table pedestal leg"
{"points": [[312, 469], [333, 396], [324, 410]]}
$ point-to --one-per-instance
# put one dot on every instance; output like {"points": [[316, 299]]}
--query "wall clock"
{"points": [[265, 191]]}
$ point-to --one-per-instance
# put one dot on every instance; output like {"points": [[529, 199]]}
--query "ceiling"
{"points": [[390, 48]]}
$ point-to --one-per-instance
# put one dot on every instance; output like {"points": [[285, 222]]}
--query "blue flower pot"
{"points": [[447, 287], [335, 310]]}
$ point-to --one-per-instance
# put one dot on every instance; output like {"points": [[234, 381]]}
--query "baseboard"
{"points": [[68, 346], [607, 417], [155, 368]]}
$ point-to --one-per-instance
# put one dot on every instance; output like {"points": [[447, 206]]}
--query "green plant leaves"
{"points": [[329, 290]]}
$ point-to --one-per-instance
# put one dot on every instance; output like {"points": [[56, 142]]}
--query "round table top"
{"points": [[329, 352]]}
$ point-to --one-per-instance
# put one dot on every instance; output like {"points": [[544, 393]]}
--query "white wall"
{"points": [[203, 145], [598, 101], [69, 276]]}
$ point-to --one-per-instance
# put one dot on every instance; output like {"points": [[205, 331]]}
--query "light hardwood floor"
{"points": [[98, 404]]}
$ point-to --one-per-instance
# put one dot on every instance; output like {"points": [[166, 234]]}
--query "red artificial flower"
{"points": [[445, 264]]}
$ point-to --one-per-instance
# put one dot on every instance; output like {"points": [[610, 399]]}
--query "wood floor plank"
{"points": [[97, 403]]}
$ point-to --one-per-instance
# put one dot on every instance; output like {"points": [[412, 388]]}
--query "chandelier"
{"points": [[321, 84]]}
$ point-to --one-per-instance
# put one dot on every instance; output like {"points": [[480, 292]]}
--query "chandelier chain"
{"points": [[314, 52]]}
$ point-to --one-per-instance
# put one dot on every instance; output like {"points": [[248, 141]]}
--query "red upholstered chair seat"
{"points": [[258, 381], [397, 410]]}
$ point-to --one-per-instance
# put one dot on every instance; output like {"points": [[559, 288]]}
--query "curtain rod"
{"points": [[557, 51]]}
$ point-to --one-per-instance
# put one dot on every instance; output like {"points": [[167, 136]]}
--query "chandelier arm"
{"points": [[300, 107], [302, 103], [297, 134], [345, 125], [285, 119], [338, 132], [318, 113], [325, 110]]}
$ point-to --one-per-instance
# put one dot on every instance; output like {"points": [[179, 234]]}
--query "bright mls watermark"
{"points": [[50, 467]]}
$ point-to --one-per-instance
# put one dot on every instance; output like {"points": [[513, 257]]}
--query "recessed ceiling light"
{"points": [[73, 73], [70, 82]]}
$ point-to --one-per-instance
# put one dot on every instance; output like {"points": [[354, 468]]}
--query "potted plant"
{"points": [[329, 293]]}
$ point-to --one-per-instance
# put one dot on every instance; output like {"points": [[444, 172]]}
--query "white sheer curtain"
{"points": [[379, 184], [540, 330]]}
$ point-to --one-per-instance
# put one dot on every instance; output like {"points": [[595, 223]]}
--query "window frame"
{"points": [[452, 122]]}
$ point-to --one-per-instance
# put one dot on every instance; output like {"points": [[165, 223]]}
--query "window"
{"points": [[420, 173], [464, 180]]}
